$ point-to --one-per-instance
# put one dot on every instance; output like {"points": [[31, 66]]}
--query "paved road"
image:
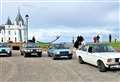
{"points": [[44, 69]]}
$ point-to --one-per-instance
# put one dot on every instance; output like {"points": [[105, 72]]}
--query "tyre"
{"points": [[101, 66], [80, 60], [10, 54], [40, 54], [70, 57], [49, 55], [26, 55], [22, 53], [54, 58]]}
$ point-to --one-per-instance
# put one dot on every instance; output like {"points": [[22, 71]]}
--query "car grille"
{"points": [[34, 50], [3, 51], [64, 53]]}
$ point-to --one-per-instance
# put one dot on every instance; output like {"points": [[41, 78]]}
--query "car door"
{"points": [[83, 53], [92, 58]]}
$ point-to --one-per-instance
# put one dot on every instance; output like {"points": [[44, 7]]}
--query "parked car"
{"points": [[30, 49], [101, 55], [5, 50], [59, 51]]}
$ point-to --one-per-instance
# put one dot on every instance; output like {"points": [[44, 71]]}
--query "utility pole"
{"points": [[26, 30]]}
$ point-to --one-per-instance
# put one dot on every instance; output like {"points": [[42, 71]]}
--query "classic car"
{"points": [[5, 50], [59, 51], [31, 49], [100, 54]]}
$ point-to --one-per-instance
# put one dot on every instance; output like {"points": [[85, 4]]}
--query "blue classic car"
{"points": [[59, 51], [5, 50]]}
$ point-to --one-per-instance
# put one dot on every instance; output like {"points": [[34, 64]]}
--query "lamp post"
{"points": [[27, 17]]}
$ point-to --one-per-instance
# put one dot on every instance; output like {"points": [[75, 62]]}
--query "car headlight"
{"points": [[27, 50], [110, 60], [57, 52]]}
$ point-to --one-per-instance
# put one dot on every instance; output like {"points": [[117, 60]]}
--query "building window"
{"points": [[2, 40], [9, 38], [9, 32], [15, 39], [15, 32]]}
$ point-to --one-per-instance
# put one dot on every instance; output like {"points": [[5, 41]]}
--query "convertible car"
{"points": [[31, 49], [59, 51], [101, 55], [5, 50]]}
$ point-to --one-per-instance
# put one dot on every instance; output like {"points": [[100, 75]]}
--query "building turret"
{"points": [[8, 22], [19, 20]]}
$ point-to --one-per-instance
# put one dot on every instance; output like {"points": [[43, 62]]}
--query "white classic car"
{"points": [[101, 55]]}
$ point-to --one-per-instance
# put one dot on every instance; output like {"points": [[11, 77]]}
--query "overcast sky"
{"points": [[68, 18]]}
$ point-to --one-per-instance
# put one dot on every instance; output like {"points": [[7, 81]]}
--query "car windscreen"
{"points": [[3, 45], [31, 45], [103, 48], [60, 46]]}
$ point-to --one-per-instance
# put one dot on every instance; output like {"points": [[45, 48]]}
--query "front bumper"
{"points": [[33, 53], [63, 56], [114, 66]]}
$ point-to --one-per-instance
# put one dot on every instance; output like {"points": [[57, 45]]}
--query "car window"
{"points": [[102, 48], [3, 45], [31, 45], [84, 48]]}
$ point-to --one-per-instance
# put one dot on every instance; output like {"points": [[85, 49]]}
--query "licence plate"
{"points": [[34, 54], [64, 56]]}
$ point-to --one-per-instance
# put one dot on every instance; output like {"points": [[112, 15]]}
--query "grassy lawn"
{"points": [[115, 45], [43, 45]]}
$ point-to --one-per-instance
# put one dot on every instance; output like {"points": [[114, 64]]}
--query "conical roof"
{"points": [[8, 21], [2, 27], [19, 18]]}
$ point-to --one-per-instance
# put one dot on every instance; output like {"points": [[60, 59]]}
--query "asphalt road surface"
{"points": [[44, 69]]}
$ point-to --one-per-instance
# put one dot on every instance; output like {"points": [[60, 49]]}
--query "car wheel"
{"points": [[26, 55], [80, 60], [70, 57], [21, 53], [10, 54], [40, 54], [54, 58], [49, 55], [101, 66]]}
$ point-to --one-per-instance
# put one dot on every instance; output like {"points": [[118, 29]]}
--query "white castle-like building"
{"points": [[13, 31]]}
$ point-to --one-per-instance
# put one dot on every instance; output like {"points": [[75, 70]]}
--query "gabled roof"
{"points": [[8, 22], [19, 18], [2, 27]]}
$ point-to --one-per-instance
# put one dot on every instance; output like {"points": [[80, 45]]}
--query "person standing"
{"points": [[94, 39], [97, 38], [110, 38], [78, 42]]}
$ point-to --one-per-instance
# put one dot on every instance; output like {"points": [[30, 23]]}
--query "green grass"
{"points": [[115, 45], [43, 44]]}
